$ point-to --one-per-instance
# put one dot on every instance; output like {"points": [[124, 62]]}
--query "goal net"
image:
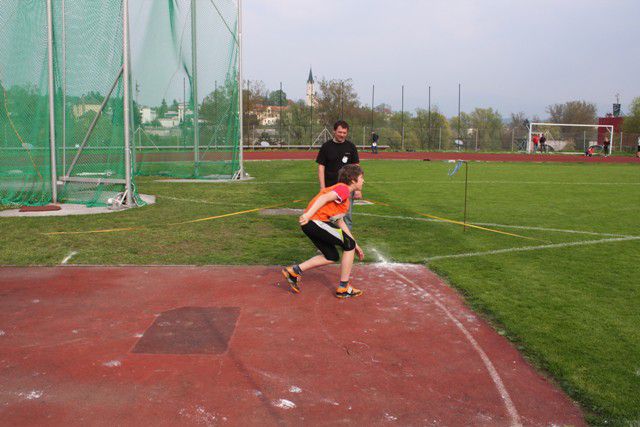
{"points": [[569, 138]]}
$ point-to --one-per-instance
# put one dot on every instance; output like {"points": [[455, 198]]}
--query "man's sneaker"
{"points": [[292, 278], [347, 292]]}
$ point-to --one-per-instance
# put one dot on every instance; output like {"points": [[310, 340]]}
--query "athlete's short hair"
{"points": [[340, 124], [349, 174]]}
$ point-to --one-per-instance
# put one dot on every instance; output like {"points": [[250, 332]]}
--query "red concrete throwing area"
{"points": [[231, 345]]}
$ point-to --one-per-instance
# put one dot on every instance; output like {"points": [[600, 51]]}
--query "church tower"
{"points": [[311, 91]]}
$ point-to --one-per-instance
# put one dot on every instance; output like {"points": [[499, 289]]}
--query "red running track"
{"points": [[132, 346], [485, 157]]}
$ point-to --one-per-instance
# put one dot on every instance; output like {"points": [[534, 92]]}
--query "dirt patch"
{"points": [[284, 211]]}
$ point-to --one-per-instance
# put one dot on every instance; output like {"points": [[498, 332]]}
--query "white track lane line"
{"points": [[256, 182], [68, 257], [487, 224], [493, 373], [532, 248]]}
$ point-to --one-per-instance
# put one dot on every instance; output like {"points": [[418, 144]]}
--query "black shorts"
{"points": [[326, 236]]}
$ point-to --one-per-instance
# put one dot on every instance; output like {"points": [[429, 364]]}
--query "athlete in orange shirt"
{"points": [[322, 221]]}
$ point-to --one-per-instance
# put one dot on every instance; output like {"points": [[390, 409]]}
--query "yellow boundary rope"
{"points": [[209, 218], [451, 221]]}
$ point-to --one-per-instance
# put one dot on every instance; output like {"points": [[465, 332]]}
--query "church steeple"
{"points": [[311, 91]]}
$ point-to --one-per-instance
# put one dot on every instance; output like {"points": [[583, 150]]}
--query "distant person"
{"points": [[590, 151], [536, 141], [638, 152], [335, 154], [543, 143], [605, 148], [323, 222], [374, 142]]}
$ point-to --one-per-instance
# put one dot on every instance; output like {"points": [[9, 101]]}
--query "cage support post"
{"points": [[52, 126]]}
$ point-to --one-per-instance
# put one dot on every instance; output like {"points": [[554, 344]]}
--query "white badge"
{"points": [[345, 159]]}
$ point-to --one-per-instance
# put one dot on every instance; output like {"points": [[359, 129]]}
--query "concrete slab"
{"points": [[67, 209]]}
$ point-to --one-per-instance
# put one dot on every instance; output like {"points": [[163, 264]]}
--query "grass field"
{"points": [[568, 296]]}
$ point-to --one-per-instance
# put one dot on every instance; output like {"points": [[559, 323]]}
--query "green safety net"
{"points": [[88, 83], [170, 92]]}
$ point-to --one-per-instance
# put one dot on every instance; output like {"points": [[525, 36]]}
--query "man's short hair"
{"points": [[340, 124], [349, 173]]}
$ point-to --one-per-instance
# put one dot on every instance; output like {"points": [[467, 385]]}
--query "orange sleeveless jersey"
{"points": [[334, 210]]}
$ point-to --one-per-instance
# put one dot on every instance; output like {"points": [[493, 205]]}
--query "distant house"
{"points": [[170, 120], [148, 115], [268, 115], [80, 109]]}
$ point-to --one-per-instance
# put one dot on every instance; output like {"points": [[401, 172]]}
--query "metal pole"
{"points": [[402, 118], [459, 89], [194, 88], [429, 120], [513, 137], [129, 201], [341, 100], [440, 138], [280, 105], [611, 140], [373, 93], [311, 124], [466, 175], [477, 131], [64, 90], [621, 142], [52, 127]]}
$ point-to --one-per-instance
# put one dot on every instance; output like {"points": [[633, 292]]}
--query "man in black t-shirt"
{"points": [[333, 155]]}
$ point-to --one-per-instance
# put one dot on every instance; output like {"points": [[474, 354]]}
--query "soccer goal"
{"points": [[569, 138]]}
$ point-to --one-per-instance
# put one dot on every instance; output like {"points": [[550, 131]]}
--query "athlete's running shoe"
{"points": [[347, 292], [293, 278]]}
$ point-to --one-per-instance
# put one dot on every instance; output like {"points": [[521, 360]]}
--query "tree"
{"points": [[517, 121], [488, 126], [296, 123], [277, 97], [336, 97], [576, 112], [432, 129], [253, 95], [632, 121], [162, 110]]}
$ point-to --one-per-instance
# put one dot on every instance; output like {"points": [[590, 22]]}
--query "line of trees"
{"points": [[337, 98]]}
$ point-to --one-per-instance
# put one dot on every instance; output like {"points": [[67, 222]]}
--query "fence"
{"points": [[436, 139]]}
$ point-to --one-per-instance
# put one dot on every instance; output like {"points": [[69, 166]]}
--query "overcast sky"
{"points": [[510, 55]]}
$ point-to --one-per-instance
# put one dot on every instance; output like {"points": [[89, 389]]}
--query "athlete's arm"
{"points": [[343, 226], [320, 202], [321, 176]]}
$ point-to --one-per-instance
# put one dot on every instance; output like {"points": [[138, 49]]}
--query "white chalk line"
{"points": [[68, 257], [493, 372], [533, 248], [488, 224], [453, 181]]}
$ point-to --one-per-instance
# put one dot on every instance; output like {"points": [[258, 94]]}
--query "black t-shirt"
{"points": [[333, 156]]}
